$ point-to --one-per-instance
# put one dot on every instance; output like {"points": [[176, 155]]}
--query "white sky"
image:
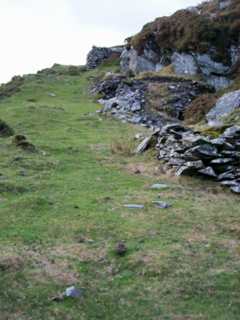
{"points": [[35, 34]]}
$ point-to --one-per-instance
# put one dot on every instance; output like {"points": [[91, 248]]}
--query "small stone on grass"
{"points": [[134, 206], [159, 186], [162, 204], [121, 249]]}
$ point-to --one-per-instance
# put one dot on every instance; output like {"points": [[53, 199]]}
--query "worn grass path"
{"points": [[61, 215]]}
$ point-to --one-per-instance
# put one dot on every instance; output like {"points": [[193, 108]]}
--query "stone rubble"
{"points": [[190, 153], [127, 99]]}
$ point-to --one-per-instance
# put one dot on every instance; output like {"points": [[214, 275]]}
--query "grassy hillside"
{"points": [[62, 214]]}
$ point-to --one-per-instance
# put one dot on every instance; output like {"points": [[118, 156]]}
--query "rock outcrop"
{"points": [[97, 55], [173, 68], [224, 106], [10, 88], [201, 41]]}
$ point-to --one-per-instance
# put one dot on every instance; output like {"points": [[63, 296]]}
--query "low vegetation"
{"points": [[62, 216], [198, 109]]}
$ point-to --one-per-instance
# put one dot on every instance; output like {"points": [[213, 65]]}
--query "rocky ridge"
{"points": [[202, 40]]}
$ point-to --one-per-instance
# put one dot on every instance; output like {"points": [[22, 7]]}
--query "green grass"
{"points": [[62, 214]]}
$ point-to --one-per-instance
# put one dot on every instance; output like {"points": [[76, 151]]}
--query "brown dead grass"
{"points": [[11, 263], [148, 262], [56, 263], [200, 106], [123, 147], [80, 251], [149, 169]]}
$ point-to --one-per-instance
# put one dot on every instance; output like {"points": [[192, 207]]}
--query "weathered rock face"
{"points": [[190, 153], [214, 73], [150, 101], [184, 64], [131, 61], [202, 40], [97, 55], [224, 106]]}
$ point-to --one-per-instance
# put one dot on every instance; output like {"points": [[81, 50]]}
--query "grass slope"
{"points": [[62, 214]]}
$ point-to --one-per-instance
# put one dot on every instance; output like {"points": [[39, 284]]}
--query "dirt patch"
{"points": [[58, 263], [196, 237], [79, 251], [11, 263], [144, 168], [149, 262]]}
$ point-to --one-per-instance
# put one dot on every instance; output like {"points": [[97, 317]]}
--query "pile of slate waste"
{"points": [[190, 153]]}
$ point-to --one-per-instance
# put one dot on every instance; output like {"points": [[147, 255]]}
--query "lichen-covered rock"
{"points": [[218, 82], [224, 106], [208, 66], [184, 64], [132, 62]]}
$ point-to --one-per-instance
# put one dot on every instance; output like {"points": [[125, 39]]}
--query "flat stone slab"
{"points": [[159, 186], [162, 204], [236, 189], [134, 206]]}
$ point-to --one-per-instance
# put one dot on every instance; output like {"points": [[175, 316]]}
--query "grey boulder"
{"points": [[224, 106]]}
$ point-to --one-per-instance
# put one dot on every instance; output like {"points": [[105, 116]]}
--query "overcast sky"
{"points": [[37, 33]]}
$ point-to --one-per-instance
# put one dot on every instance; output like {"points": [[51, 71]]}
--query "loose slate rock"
{"points": [[73, 292], [159, 186], [134, 206], [222, 161], [236, 189], [144, 145], [208, 172], [229, 175], [205, 151], [231, 132], [189, 168], [162, 204], [230, 183]]}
